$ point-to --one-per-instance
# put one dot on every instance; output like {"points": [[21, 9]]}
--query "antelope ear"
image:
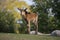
{"points": [[18, 8], [25, 9]]}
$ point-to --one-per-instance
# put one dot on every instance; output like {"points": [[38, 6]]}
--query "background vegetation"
{"points": [[49, 14], [48, 11]]}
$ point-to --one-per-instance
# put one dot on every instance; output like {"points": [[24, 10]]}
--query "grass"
{"points": [[11, 36]]}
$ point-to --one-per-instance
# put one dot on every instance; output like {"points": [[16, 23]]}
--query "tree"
{"points": [[42, 7], [6, 22], [9, 14]]}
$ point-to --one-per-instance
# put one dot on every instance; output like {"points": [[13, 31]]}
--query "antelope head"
{"points": [[23, 11]]}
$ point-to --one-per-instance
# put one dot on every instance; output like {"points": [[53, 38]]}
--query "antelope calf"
{"points": [[29, 17]]}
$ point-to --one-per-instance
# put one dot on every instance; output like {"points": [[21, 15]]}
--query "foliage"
{"points": [[9, 15], [47, 23], [6, 22], [40, 9]]}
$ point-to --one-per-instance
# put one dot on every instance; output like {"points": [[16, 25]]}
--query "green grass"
{"points": [[11, 36]]}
